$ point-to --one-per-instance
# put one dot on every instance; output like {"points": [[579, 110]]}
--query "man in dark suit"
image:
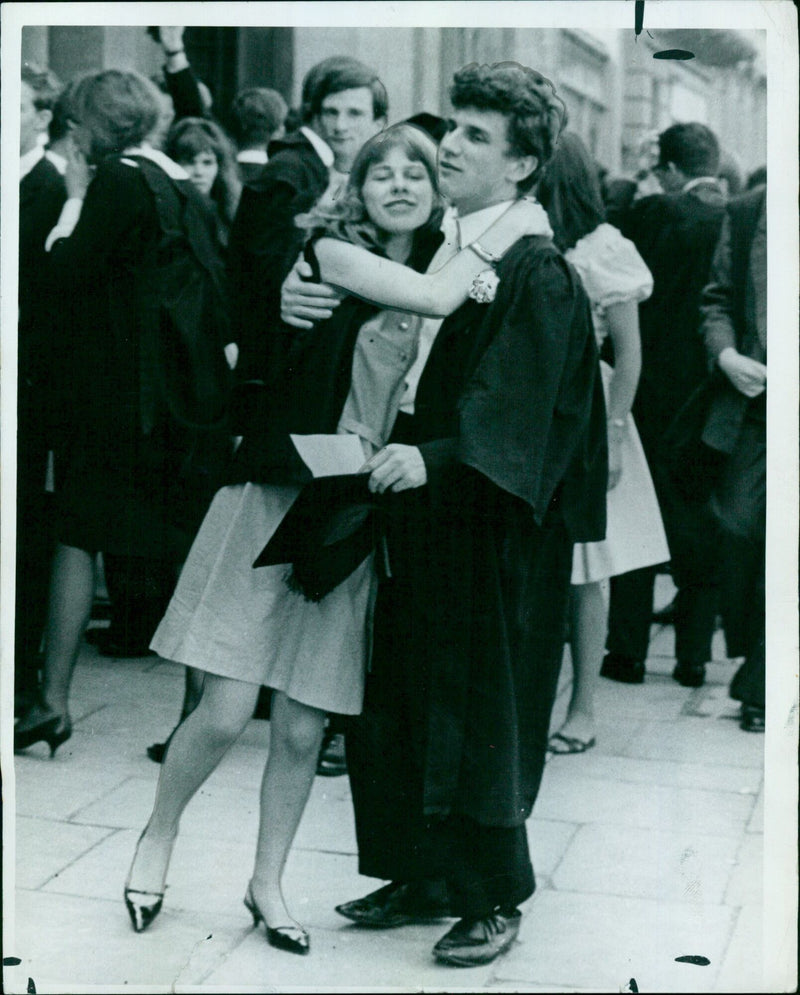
{"points": [[343, 104], [734, 328], [41, 196], [675, 233], [257, 119]]}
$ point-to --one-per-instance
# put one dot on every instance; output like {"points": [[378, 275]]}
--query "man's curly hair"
{"points": [[536, 114]]}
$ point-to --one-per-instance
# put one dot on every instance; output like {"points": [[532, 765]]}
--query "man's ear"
{"points": [[521, 168]]}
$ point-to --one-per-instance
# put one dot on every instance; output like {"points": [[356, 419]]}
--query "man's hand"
{"points": [[171, 38], [303, 303], [396, 468], [747, 375]]}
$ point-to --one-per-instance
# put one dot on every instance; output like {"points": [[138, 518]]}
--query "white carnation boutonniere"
{"points": [[484, 287]]}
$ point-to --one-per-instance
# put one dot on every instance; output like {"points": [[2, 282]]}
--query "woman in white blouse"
{"points": [[616, 280]]}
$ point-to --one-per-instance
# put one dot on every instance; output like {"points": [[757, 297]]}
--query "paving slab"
{"points": [[646, 848], [571, 796], [622, 860], [599, 945]]}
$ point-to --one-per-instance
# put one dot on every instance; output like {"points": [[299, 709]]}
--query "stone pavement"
{"points": [[647, 848]]}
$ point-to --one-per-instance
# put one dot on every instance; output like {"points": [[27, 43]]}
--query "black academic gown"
{"points": [[446, 760], [41, 197], [264, 243], [137, 464]]}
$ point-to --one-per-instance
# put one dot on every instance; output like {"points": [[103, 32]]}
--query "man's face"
{"points": [[476, 168], [32, 122], [346, 120]]}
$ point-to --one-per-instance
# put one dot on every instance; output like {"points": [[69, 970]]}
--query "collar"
{"points": [[697, 181], [172, 169], [472, 226], [57, 160], [319, 145], [29, 160], [257, 156]]}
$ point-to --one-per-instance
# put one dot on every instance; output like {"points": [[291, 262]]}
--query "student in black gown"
{"points": [[136, 464]]}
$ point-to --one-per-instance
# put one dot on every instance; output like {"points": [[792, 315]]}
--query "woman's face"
{"points": [[202, 170], [397, 193]]}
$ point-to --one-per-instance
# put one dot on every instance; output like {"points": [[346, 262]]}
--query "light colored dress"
{"points": [[228, 618], [613, 272]]}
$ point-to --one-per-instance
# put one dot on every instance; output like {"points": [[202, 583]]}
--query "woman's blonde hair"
{"points": [[348, 219]]}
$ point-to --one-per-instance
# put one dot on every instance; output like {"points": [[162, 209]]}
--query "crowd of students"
{"points": [[437, 295]]}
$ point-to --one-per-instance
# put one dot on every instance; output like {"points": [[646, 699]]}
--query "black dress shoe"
{"points": [[622, 669], [394, 905], [690, 675], [332, 761], [478, 941], [41, 724], [752, 719]]}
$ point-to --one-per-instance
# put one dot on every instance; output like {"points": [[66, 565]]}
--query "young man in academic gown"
{"points": [[499, 469]]}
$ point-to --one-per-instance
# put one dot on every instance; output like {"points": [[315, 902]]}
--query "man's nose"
{"points": [[451, 143]]}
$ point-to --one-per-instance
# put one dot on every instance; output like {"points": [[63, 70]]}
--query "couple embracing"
{"points": [[466, 365]]}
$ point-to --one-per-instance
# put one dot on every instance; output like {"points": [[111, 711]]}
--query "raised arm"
{"points": [[438, 294]]}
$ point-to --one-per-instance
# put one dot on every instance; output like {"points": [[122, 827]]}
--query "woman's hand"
{"points": [[79, 173], [396, 468], [614, 460]]}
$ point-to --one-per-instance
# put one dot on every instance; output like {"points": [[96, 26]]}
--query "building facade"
{"points": [[618, 91]]}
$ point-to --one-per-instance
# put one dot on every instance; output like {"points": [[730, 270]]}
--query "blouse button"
{"points": [[404, 326]]}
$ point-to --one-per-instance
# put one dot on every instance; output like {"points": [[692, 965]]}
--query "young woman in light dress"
{"points": [[616, 279], [244, 627]]}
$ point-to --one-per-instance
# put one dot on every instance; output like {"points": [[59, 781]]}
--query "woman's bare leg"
{"points": [[69, 609], [588, 624], [196, 748], [295, 737]]}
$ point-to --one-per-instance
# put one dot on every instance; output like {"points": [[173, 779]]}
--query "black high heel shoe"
{"points": [[143, 906], [51, 728], [293, 939]]}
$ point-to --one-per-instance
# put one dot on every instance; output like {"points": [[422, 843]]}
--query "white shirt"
{"points": [[336, 181], [458, 232], [258, 157], [57, 160], [29, 160], [320, 146], [698, 180]]}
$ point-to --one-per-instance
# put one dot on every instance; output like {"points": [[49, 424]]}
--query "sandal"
{"points": [[561, 745]]}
